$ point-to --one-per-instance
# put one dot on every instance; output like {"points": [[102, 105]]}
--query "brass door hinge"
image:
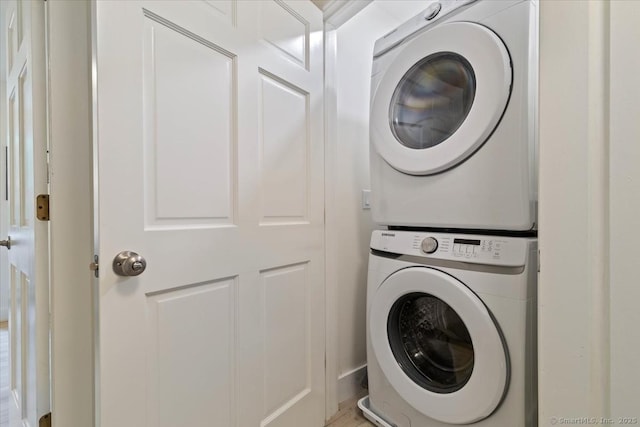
{"points": [[42, 203], [45, 420]]}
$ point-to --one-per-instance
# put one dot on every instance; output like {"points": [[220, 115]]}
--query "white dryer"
{"points": [[453, 118], [451, 329]]}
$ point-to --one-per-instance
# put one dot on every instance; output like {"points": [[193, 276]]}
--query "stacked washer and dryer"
{"points": [[451, 298]]}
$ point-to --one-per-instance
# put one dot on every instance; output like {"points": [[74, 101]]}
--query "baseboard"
{"points": [[350, 383]]}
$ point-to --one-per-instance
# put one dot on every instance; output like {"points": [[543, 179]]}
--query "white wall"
{"points": [[348, 225], [589, 322]]}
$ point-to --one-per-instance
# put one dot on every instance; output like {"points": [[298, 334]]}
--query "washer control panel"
{"points": [[490, 250]]}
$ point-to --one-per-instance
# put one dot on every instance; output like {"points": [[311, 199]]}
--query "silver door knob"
{"points": [[128, 263], [6, 243]]}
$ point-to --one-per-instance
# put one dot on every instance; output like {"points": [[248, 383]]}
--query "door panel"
{"points": [[17, 337], [284, 139], [285, 30], [226, 9], [210, 150], [15, 162], [23, 29], [189, 118], [193, 327], [286, 334]]}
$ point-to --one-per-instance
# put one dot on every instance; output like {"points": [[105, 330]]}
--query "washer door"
{"points": [[440, 98], [438, 345]]}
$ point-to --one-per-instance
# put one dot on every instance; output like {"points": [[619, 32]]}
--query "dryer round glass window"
{"points": [[432, 100], [430, 342]]}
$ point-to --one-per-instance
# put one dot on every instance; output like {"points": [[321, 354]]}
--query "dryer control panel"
{"points": [[476, 249], [431, 14]]}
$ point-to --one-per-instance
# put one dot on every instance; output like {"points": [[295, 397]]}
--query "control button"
{"points": [[429, 245], [432, 11]]}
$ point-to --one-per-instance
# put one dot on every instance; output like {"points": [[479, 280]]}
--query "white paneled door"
{"points": [[209, 137], [23, 57]]}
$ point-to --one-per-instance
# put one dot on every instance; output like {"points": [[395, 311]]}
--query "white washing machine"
{"points": [[451, 329], [453, 118]]}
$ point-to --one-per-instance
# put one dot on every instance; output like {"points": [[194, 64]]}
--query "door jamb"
{"points": [[71, 248], [335, 13]]}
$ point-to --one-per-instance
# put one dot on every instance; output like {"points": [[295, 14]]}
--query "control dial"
{"points": [[429, 245]]}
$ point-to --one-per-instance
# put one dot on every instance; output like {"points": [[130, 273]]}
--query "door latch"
{"points": [[95, 266]]}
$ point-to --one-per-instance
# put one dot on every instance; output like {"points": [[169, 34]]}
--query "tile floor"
{"points": [[349, 415]]}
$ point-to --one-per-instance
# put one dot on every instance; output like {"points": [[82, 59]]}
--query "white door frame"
{"points": [[331, 240], [71, 243], [589, 212]]}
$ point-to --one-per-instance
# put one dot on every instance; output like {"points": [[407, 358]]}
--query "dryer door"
{"points": [[438, 345], [440, 98]]}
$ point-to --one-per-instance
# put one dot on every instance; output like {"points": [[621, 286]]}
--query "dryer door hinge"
{"points": [[45, 420]]}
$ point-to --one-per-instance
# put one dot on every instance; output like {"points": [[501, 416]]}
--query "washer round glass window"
{"points": [[430, 342], [432, 100]]}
